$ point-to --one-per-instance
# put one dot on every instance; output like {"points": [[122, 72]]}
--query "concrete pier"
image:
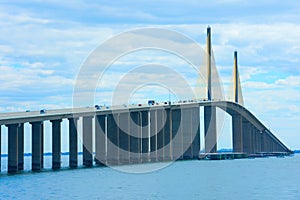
{"points": [[42, 145], [153, 138], [177, 134], [135, 141], [56, 143], [246, 136], [145, 155], [73, 145], [237, 133], [262, 137], [124, 138], [258, 136], [268, 143], [210, 129], [87, 139], [113, 139], [160, 135], [167, 136], [187, 133], [195, 132], [12, 148], [251, 139], [36, 145], [255, 140], [100, 139], [20, 147]]}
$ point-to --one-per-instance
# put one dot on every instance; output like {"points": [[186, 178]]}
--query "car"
{"points": [[97, 107], [43, 111], [139, 104], [151, 102]]}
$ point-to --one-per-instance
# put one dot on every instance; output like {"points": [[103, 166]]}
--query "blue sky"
{"points": [[44, 43]]}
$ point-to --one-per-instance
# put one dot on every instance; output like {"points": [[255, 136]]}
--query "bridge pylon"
{"points": [[210, 125], [237, 95]]}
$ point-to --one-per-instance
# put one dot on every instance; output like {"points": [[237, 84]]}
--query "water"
{"points": [[260, 178]]}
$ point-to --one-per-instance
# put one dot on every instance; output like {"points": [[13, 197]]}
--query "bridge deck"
{"points": [[160, 132]]}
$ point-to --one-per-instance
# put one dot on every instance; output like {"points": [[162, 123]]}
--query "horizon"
{"points": [[296, 151]]}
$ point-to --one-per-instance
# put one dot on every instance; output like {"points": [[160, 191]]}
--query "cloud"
{"points": [[32, 88], [293, 81], [44, 43], [258, 85], [7, 19]]}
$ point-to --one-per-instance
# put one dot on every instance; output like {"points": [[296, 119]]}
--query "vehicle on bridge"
{"points": [[151, 102]]}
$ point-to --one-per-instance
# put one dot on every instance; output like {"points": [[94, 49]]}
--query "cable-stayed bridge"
{"points": [[141, 133]]}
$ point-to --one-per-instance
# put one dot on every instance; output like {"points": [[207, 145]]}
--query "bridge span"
{"points": [[140, 134]]}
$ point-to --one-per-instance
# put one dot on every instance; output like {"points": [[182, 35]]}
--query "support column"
{"points": [[124, 139], [36, 145], [266, 142], [42, 145], [113, 139], [254, 140], [20, 147], [177, 134], [251, 140], [258, 141], [278, 149], [12, 148], [270, 144], [256, 145], [56, 143], [262, 137], [246, 136], [100, 157], [87, 139], [160, 135], [153, 136], [237, 133], [144, 136], [135, 137], [167, 135], [73, 143], [187, 133], [195, 132], [210, 126]]}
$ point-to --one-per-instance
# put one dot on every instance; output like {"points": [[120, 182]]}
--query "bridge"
{"points": [[139, 134]]}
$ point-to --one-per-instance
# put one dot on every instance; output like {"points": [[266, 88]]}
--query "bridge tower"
{"points": [[210, 125], [208, 60], [238, 123], [237, 92]]}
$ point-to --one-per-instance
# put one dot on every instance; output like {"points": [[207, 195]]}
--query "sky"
{"points": [[43, 45]]}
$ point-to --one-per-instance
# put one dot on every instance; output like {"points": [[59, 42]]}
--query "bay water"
{"points": [[259, 178]]}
